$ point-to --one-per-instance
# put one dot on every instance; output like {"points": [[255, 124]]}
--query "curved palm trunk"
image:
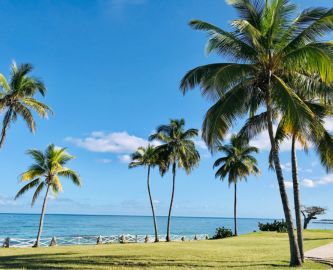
{"points": [[41, 221], [152, 205], [295, 259], [297, 198], [5, 126], [235, 210], [168, 238]]}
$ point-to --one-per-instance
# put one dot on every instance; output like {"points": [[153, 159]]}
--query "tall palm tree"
{"points": [[18, 99], [148, 157], [268, 51], [322, 141], [45, 172], [319, 142], [237, 164], [178, 149]]}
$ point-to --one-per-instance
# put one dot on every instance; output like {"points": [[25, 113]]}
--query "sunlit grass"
{"points": [[251, 251]]}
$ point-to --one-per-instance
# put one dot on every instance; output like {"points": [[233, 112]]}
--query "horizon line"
{"points": [[129, 215]]}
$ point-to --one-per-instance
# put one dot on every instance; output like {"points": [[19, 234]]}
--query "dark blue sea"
{"points": [[26, 225]]}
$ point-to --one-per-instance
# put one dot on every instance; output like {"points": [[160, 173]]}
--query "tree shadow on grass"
{"points": [[79, 261], [318, 239]]}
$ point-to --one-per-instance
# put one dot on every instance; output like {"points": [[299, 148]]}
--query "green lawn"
{"points": [[251, 251]]}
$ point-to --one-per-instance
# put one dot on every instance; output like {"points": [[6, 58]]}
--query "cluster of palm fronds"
{"points": [[17, 98]]}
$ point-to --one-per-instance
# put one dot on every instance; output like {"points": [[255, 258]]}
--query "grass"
{"points": [[252, 251]]}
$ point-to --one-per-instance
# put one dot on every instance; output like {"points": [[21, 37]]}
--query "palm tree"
{"points": [[45, 172], [18, 99], [237, 164], [178, 149], [284, 131], [268, 52], [149, 158]]}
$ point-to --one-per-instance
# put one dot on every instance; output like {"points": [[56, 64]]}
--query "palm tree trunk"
{"points": [[168, 238], [297, 198], [5, 126], [152, 205], [235, 210], [295, 259], [41, 221]]}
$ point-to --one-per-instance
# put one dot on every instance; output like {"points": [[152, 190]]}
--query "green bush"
{"points": [[276, 226], [222, 232]]}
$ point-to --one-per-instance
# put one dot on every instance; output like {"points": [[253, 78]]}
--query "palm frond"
{"points": [[27, 187], [37, 192], [72, 175]]}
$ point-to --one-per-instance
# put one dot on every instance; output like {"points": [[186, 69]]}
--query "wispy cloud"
{"points": [[6, 201], [288, 184], [117, 8], [124, 158], [104, 160], [286, 167], [199, 143], [324, 180], [262, 141], [114, 142]]}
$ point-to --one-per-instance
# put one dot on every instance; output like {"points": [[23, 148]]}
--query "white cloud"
{"points": [[262, 142], [309, 183], [115, 142], [288, 184], [6, 201], [325, 180], [286, 167], [124, 158], [314, 163], [200, 144], [104, 160]]}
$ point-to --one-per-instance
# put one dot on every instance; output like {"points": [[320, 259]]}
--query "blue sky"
{"points": [[112, 69]]}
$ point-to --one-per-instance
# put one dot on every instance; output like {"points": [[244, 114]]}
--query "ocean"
{"points": [[26, 225]]}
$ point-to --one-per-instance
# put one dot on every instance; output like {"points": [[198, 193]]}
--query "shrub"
{"points": [[222, 232], [276, 226]]}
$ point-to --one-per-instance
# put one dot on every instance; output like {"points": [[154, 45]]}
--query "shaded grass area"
{"points": [[252, 251]]}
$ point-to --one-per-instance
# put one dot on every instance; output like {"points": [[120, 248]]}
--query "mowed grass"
{"points": [[252, 251]]}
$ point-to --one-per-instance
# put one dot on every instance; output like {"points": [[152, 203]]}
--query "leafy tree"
{"points": [[237, 164], [44, 173], [148, 157], [17, 98], [311, 212], [269, 51], [178, 149]]}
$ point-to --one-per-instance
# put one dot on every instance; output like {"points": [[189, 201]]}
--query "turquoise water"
{"points": [[25, 225]]}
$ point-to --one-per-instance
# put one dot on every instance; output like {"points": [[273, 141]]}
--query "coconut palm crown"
{"points": [[177, 144], [147, 157], [238, 162], [17, 98]]}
